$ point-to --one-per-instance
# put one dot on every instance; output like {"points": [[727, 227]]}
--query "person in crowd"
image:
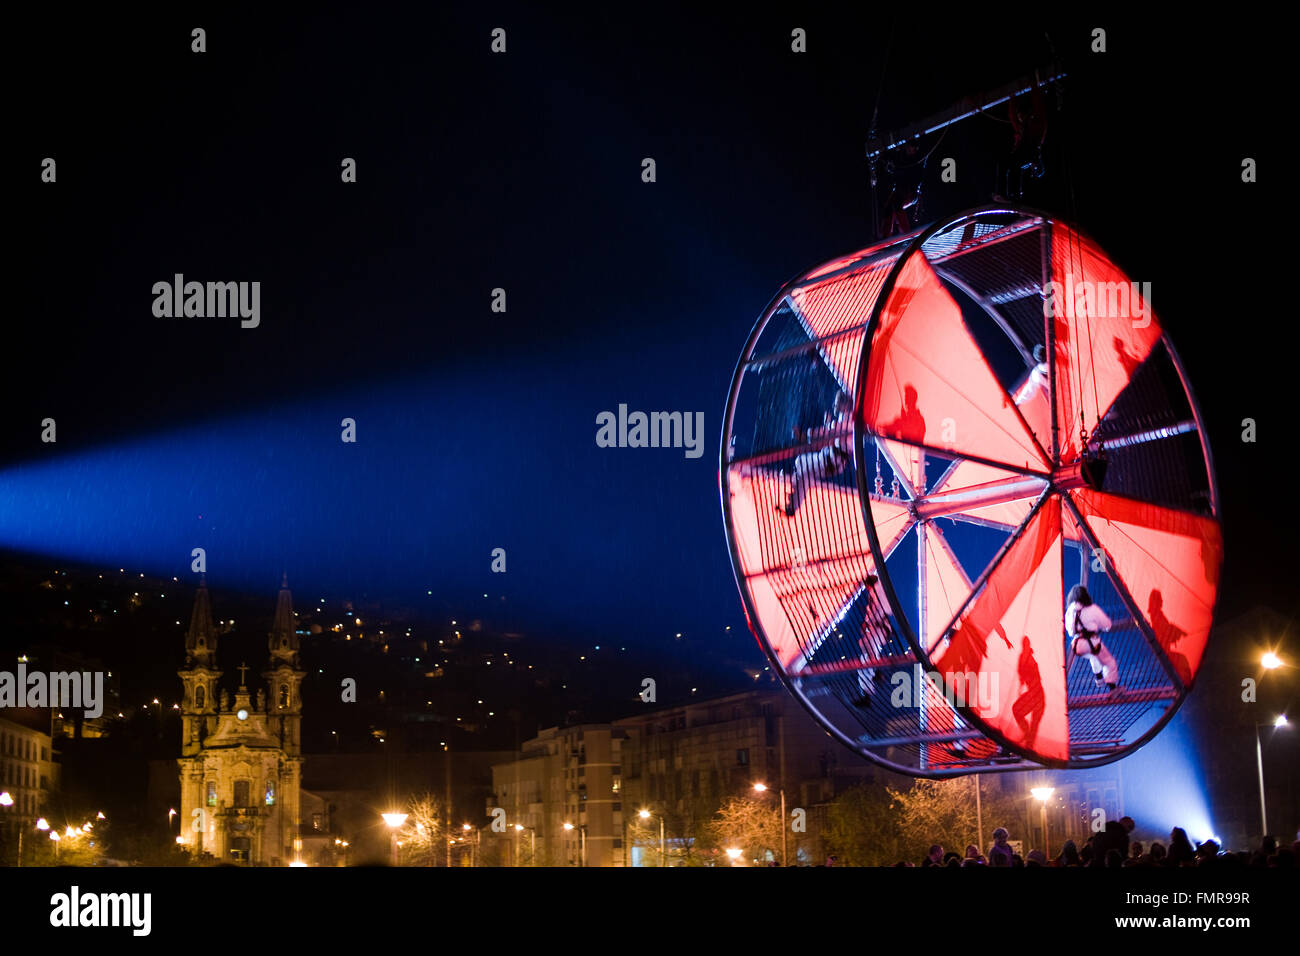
{"points": [[1207, 853], [1000, 853], [1115, 837], [934, 857], [1181, 852], [1069, 855]]}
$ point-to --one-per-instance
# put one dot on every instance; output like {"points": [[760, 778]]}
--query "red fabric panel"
{"points": [[1012, 632], [1104, 330], [801, 571], [1169, 560], [946, 584], [928, 382], [837, 306]]}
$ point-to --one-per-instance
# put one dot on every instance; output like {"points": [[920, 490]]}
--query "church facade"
{"points": [[241, 757]]}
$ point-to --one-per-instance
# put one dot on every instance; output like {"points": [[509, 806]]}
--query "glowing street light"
{"points": [[663, 845], [1270, 661], [582, 841], [394, 821], [1042, 795], [762, 788], [1279, 722], [734, 853]]}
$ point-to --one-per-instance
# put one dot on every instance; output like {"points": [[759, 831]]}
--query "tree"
{"points": [[943, 811], [422, 840], [862, 829], [752, 826]]}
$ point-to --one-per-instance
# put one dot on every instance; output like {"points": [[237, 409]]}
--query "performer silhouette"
{"points": [[1032, 703]]}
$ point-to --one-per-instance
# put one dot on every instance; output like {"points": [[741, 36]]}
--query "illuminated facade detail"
{"points": [[235, 749]]}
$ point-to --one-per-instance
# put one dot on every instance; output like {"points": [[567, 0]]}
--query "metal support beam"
{"points": [[965, 109]]}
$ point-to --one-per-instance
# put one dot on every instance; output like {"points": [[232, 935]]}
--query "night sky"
{"points": [[476, 430]]}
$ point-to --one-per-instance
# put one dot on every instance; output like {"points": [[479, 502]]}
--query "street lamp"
{"points": [[734, 853], [532, 843], [1043, 794], [7, 801], [762, 788], [1270, 661], [663, 845], [582, 841], [394, 822], [1279, 722]]}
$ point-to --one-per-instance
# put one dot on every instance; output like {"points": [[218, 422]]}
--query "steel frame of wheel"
{"points": [[971, 726]]}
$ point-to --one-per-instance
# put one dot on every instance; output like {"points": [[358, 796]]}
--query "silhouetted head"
{"points": [[1079, 595], [1040, 354], [1155, 602], [909, 396]]}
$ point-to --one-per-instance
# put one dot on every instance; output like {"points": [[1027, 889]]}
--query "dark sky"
{"points": [[522, 171]]}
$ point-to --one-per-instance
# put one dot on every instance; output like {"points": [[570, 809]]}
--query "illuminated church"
{"points": [[241, 760]]}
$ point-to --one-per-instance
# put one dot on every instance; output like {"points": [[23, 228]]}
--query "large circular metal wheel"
{"points": [[927, 445]]}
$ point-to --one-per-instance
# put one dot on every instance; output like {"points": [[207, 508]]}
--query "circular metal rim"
{"points": [[912, 246], [860, 433]]}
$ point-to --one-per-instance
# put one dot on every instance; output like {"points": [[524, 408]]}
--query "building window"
{"points": [[212, 793], [241, 793], [200, 696], [270, 792], [284, 696], [742, 757], [316, 821]]}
